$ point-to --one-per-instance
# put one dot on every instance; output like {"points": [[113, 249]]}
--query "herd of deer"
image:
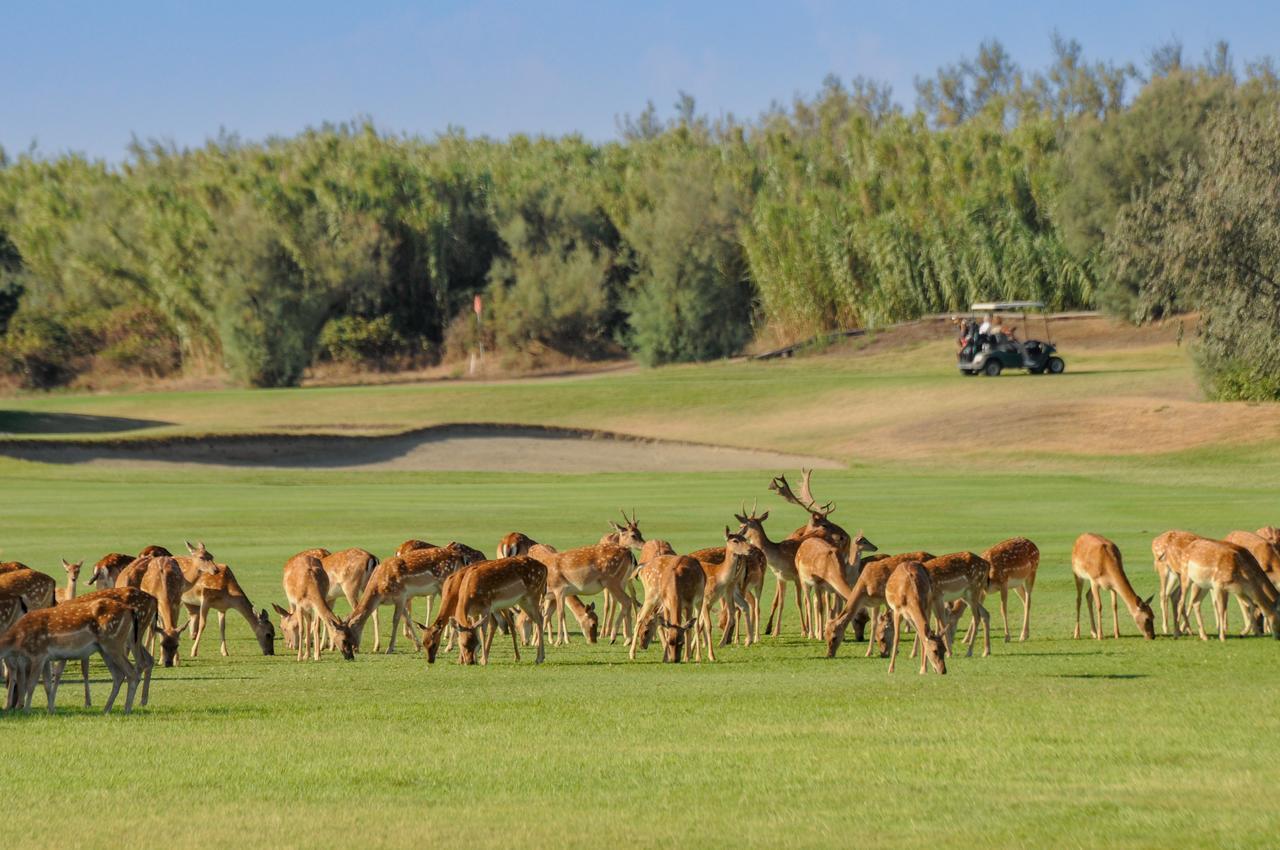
{"points": [[840, 580]]}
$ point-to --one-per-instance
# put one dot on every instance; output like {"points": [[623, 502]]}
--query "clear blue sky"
{"points": [[87, 76]]}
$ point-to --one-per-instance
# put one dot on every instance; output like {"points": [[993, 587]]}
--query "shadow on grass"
{"points": [[23, 422], [1101, 676]]}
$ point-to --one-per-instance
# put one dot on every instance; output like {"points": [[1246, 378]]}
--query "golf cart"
{"points": [[987, 347]]}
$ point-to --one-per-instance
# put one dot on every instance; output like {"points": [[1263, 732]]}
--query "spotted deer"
{"points": [[627, 534], [34, 588], [960, 575], [73, 575], [584, 571], [868, 592], [144, 607], [419, 572], [681, 586], [219, 590], [1013, 567], [649, 573], [723, 585], [1096, 561], [909, 594], [76, 630], [780, 555], [752, 588], [1224, 568], [482, 589]]}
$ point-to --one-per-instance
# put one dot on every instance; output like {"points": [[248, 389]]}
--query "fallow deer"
{"points": [[218, 590], [1095, 560], [12, 566], [960, 575], [163, 579], [1168, 555], [306, 586], [419, 572], [1227, 568], [145, 610], [649, 575], [868, 592], [780, 555], [73, 575], [723, 585], [584, 571], [752, 589], [349, 571], [76, 630], [108, 567], [822, 567], [1265, 552], [34, 588], [681, 586], [622, 535], [1013, 567], [482, 589], [909, 593], [1270, 533]]}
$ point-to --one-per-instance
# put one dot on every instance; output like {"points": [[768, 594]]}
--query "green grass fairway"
{"points": [[1050, 743]]}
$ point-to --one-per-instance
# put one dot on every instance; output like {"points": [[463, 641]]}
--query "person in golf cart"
{"points": [[989, 348]]}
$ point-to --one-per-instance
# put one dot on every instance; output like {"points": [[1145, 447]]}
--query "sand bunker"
{"points": [[479, 448]]}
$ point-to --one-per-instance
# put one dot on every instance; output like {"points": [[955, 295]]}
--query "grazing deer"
{"points": [[349, 571], [306, 586], [419, 572], [822, 567], [1270, 533], [1013, 567], [144, 610], [584, 571], [868, 592], [649, 574], [1265, 552], [482, 589], [681, 585], [163, 579], [218, 590], [909, 593], [1168, 555], [108, 568], [960, 575], [76, 630], [73, 575], [34, 588], [1227, 568], [1096, 560]]}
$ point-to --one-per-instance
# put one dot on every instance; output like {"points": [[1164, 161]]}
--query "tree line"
{"points": [[1141, 191]]}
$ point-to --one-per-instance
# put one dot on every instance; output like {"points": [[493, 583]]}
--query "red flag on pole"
{"points": [[477, 305]]}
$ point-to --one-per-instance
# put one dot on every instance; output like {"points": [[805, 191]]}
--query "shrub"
{"points": [[40, 350], [359, 341], [132, 337]]}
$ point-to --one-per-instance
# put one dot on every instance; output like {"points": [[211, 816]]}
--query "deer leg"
{"points": [[642, 622], [1246, 611], [84, 672], [222, 634], [198, 619], [704, 620], [800, 606], [1219, 597], [511, 627], [1004, 610], [1115, 616], [397, 611], [979, 611], [486, 640], [1025, 593], [377, 632], [897, 632], [408, 617], [1079, 586], [775, 607], [193, 630]]}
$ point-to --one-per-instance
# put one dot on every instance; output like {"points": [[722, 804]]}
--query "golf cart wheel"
{"points": [[1056, 365], [992, 369]]}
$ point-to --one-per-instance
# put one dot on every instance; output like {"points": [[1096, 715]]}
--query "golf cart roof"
{"points": [[1005, 306]]}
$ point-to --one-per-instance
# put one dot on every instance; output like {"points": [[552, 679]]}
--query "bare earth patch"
{"points": [[474, 448]]}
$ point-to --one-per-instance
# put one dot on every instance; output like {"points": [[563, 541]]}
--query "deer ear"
{"points": [[764, 516], [263, 616], [740, 518], [190, 548], [726, 532], [282, 612], [1147, 601], [421, 626], [690, 624]]}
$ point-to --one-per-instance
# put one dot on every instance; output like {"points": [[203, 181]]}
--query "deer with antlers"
{"points": [[1096, 561], [619, 535], [72, 631], [474, 594]]}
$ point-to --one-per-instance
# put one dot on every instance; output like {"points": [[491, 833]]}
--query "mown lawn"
{"points": [[1051, 743]]}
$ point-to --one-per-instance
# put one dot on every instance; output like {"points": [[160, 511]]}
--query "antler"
{"points": [[805, 500]]}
